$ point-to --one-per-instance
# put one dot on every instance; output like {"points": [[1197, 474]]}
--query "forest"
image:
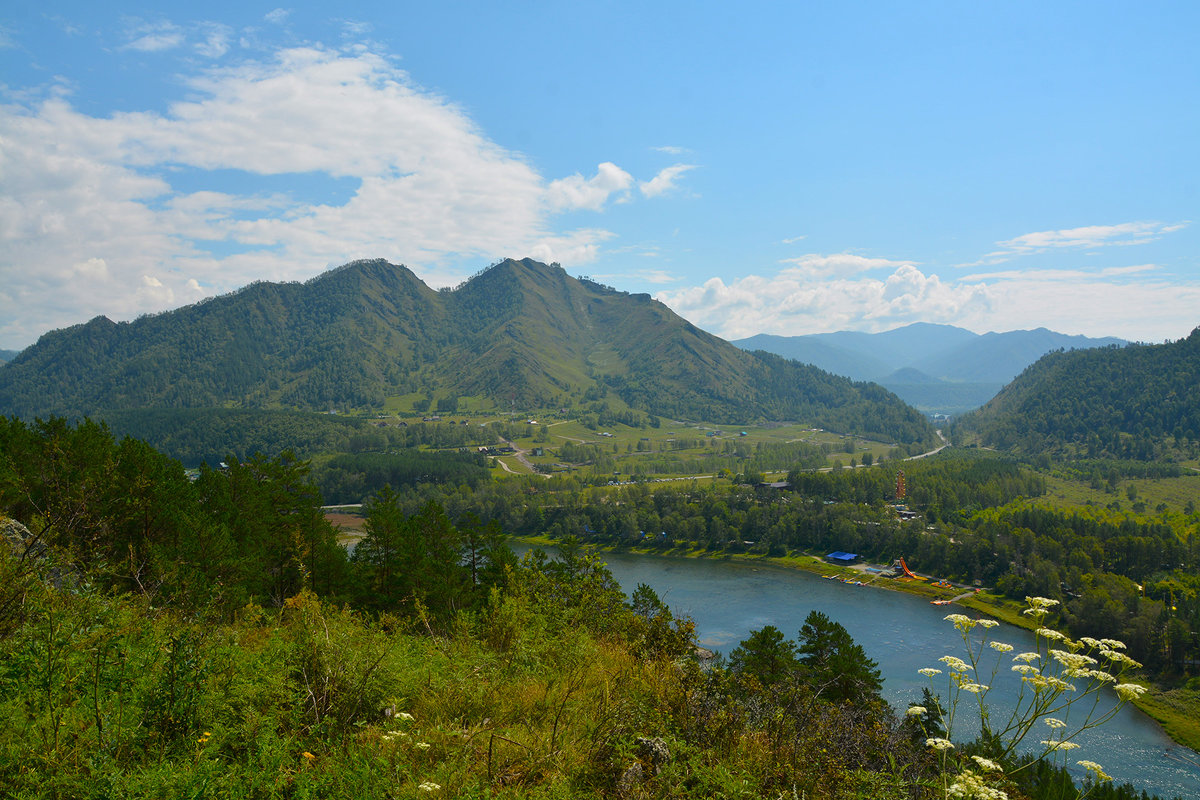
{"points": [[162, 636]]}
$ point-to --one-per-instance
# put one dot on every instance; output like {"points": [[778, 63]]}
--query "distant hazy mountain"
{"points": [[1119, 402], [519, 333], [7, 355], [952, 369]]}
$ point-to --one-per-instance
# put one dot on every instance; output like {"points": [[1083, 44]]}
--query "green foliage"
{"points": [[140, 661], [350, 478], [1136, 402]]}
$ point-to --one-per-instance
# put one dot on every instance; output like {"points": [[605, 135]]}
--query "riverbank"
{"points": [[1175, 710]]}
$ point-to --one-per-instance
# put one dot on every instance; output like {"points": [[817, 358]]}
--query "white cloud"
{"points": [[670, 149], [277, 16], [429, 190], [1126, 233], [576, 191], [1095, 303], [214, 40], [155, 37], [664, 181], [814, 265], [794, 239]]}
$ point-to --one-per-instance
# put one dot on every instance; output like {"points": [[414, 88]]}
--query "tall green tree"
{"points": [[835, 665]]}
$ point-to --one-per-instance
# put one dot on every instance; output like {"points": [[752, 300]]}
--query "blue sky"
{"points": [[767, 168]]}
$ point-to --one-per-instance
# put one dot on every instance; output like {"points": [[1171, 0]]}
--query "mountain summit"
{"points": [[521, 333]]}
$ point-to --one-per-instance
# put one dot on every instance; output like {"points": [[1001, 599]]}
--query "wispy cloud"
{"points": [[814, 265], [670, 149], [665, 180], [794, 239], [1086, 237], [153, 37], [277, 16]]}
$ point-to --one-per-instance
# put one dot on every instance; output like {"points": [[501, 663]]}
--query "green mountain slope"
{"points": [[1108, 401], [521, 333]]}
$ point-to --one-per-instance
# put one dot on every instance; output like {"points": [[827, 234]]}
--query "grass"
{"points": [[1176, 711]]}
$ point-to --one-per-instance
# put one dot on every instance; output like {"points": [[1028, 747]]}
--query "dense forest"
{"points": [[1134, 402], [162, 636], [519, 334]]}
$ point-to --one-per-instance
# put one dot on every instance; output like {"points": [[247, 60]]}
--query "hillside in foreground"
{"points": [[520, 334]]}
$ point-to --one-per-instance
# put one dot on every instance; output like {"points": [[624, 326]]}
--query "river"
{"points": [[903, 633]]}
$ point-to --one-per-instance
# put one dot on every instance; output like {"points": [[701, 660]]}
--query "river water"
{"points": [[903, 633]]}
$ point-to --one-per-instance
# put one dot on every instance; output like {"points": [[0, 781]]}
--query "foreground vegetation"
{"points": [[163, 637]]}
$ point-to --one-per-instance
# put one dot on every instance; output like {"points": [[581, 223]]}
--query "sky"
{"points": [[784, 168]]}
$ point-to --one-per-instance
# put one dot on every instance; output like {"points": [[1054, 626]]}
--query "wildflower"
{"points": [[1027, 657], [1000, 647], [421, 745], [429, 786], [961, 621], [405, 716], [1113, 643], [916, 711], [987, 763], [986, 623], [308, 756], [1053, 745], [1055, 723], [1072, 660], [204, 738], [1090, 642], [974, 688], [1129, 691], [929, 672], [939, 744], [1050, 633], [1044, 603], [1097, 771], [969, 786], [955, 663], [1024, 669]]}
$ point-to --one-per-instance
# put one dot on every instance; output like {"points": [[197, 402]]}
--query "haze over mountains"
{"points": [[936, 368], [520, 334]]}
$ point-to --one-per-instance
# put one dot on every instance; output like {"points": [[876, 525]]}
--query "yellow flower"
{"points": [[987, 764], [1129, 691], [308, 756], [1096, 770], [1052, 745]]}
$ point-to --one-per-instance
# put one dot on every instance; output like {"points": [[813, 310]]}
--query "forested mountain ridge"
{"points": [[7, 355], [1117, 402], [521, 332]]}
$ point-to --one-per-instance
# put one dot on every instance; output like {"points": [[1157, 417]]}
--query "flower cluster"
{"points": [[1055, 676]]}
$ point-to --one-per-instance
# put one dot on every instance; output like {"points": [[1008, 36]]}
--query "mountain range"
{"points": [[520, 334], [936, 368], [7, 355]]}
